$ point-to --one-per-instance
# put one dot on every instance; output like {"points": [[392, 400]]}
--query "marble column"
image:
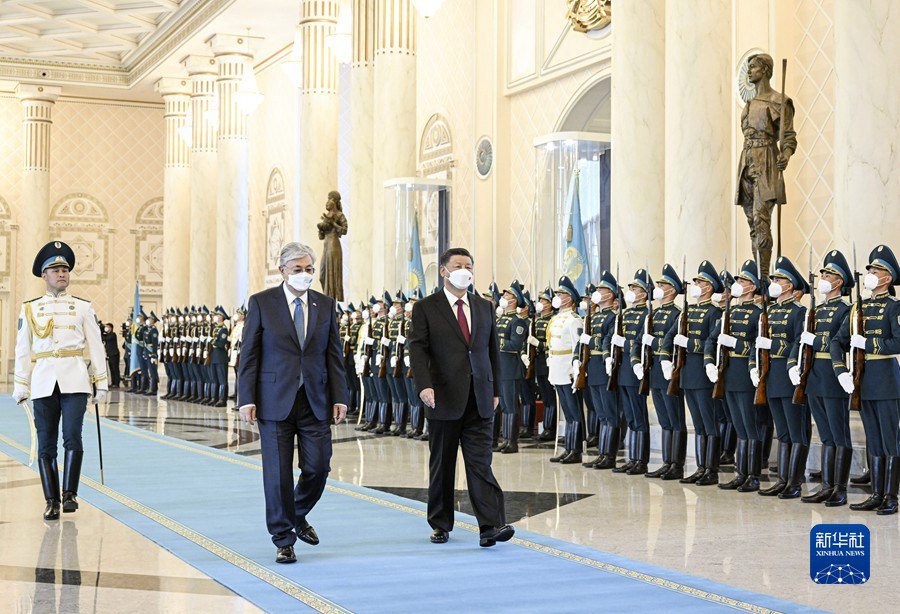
{"points": [[362, 127], [34, 214], [232, 186], [394, 127], [638, 135], [318, 114], [203, 72], [176, 192], [699, 99], [866, 125]]}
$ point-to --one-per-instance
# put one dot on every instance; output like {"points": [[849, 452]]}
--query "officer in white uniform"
{"points": [[54, 332], [563, 335]]}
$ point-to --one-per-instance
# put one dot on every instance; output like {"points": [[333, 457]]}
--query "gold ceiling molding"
{"points": [[162, 44], [587, 15]]}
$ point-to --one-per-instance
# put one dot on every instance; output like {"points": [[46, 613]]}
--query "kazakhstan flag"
{"points": [[415, 270], [135, 363], [575, 261]]}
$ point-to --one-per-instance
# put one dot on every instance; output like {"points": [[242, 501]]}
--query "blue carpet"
{"points": [[206, 507]]}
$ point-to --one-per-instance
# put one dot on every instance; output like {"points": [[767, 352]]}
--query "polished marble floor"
{"points": [[89, 562]]}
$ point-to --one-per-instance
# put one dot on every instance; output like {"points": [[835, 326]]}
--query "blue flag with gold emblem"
{"points": [[135, 363], [575, 260], [416, 272]]}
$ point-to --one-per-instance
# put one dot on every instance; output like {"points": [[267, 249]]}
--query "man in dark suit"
{"points": [[454, 356], [111, 343], [292, 380]]}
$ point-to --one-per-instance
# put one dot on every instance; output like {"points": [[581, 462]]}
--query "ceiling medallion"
{"points": [[588, 15]]}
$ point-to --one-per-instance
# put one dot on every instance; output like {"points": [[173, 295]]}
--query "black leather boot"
{"points": [[49, 472], [754, 466], [641, 454], [877, 471], [865, 478], [729, 445], [818, 475], [71, 477], [700, 451], [843, 458], [611, 450], [630, 463], [828, 470], [666, 455], [892, 482], [512, 443], [221, 398], [713, 453], [602, 444], [784, 465], [768, 434], [796, 473], [679, 453], [740, 466]]}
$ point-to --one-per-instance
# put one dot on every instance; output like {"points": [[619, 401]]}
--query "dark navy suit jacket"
{"points": [[272, 359]]}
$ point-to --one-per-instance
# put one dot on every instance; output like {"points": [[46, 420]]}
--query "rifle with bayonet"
{"points": [[581, 380], [647, 351], [680, 357], [857, 327], [807, 355], [617, 353], [763, 357], [532, 350], [722, 352], [398, 368]]}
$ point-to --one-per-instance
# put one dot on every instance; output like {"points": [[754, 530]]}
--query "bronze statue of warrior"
{"points": [[766, 119]]}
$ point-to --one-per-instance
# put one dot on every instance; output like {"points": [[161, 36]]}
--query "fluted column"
{"points": [[866, 125], [203, 72], [232, 187], [34, 214], [698, 169], [638, 134], [394, 124], [176, 192], [362, 92], [318, 113]]}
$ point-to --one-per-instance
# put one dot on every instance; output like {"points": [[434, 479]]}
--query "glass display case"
{"points": [[421, 231], [570, 236]]}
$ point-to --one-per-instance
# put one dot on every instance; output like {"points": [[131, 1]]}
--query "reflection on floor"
{"points": [[747, 541]]}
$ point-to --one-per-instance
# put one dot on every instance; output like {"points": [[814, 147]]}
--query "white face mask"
{"points": [[392, 312], [344, 320], [658, 294], [717, 297], [775, 289], [582, 305], [365, 315], [695, 291], [556, 302], [376, 309], [499, 311], [596, 298], [408, 307], [737, 290], [461, 278], [539, 307], [824, 286], [870, 281], [630, 297], [300, 281], [504, 303]]}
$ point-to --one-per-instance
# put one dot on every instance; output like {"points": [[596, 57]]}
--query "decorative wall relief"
{"points": [[83, 222], [5, 246], [275, 222], [148, 246]]}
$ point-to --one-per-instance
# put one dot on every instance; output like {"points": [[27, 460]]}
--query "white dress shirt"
{"points": [[466, 309], [304, 305]]}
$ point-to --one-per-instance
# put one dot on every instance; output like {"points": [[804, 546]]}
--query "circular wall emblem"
{"points": [[484, 157], [745, 90]]}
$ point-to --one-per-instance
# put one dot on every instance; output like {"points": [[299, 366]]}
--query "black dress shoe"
{"points": [[491, 536], [562, 455], [440, 536], [69, 502], [51, 512], [286, 555], [571, 458], [308, 535]]}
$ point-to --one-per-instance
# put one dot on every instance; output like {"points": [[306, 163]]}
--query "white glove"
{"points": [[609, 365], [378, 360], [754, 377], [712, 373], [525, 360], [681, 341], [618, 340], [99, 396], [647, 339], [385, 342], [576, 367], [532, 340], [406, 361], [858, 342], [584, 339], [393, 361], [401, 339], [846, 382], [370, 341], [794, 374], [763, 343], [20, 394], [727, 340], [807, 338], [347, 338], [638, 371], [667, 368]]}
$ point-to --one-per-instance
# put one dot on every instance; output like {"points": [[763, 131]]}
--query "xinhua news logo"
{"points": [[839, 553]]}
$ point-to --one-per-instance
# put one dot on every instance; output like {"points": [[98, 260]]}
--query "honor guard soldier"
{"points": [[234, 342], [379, 366], [563, 335], [879, 391], [206, 372], [137, 378], [365, 365], [727, 355], [529, 385], [669, 409], [544, 312], [354, 322], [218, 357], [54, 331], [164, 344], [605, 298], [126, 344], [827, 400], [512, 331], [174, 354], [635, 404], [399, 400], [792, 422], [416, 415], [151, 355], [723, 412]]}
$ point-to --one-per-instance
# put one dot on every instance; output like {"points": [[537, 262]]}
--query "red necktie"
{"points": [[463, 323]]}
